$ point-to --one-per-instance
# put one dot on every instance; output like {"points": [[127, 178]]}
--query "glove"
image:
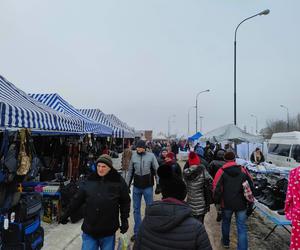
{"points": [[157, 189], [124, 227], [64, 219]]}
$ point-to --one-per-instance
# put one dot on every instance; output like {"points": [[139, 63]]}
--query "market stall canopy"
{"points": [[128, 132], [230, 132], [160, 137], [19, 110], [195, 136], [98, 116], [56, 102]]}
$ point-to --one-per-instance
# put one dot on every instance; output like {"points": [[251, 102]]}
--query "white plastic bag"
{"points": [[124, 243]]}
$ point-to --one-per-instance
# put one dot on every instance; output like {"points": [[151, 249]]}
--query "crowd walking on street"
{"points": [[210, 179]]}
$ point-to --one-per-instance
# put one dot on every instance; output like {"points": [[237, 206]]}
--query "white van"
{"points": [[284, 149]]}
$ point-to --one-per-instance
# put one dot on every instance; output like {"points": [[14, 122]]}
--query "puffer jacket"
{"points": [[169, 224], [142, 169], [105, 199], [194, 178]]}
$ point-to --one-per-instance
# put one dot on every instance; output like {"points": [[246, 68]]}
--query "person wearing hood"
{"points": [[142, 170], [170, 161], [162, 156], [106, 199], [228, 192], [169, 224], [195, 176], [216, 164]]}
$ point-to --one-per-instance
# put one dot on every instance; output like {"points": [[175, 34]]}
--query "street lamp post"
{"points": [[288, 117], [255, 122], [265, 12], [169, 124], [201, 118], [197, 107], [189, 120]]}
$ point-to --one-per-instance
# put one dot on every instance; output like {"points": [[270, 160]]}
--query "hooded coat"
{"points": [[227, 186], [194, 177], [170, 225]]}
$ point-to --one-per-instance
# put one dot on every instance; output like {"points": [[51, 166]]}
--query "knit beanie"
{"points": [[229, 156], [106, 159], [194, 159], [141, 144], [171, 185]]}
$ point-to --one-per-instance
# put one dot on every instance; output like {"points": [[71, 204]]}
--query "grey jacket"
{"points": [[142, 169], [194, 178]]}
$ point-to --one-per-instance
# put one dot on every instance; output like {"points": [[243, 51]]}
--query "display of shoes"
{"points": [[272, 196]]}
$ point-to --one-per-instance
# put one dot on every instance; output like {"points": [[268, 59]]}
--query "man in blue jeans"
{"points": [[228, 191], [142, 169], [107, 203]]}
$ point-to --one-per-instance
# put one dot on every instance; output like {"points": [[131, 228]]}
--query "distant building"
{"points": [[144, 134]]}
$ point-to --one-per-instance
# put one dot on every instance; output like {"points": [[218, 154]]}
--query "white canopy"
{"points": [[230, 132]]}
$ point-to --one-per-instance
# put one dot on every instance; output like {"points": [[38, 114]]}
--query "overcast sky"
{"points": [[146, 60]]}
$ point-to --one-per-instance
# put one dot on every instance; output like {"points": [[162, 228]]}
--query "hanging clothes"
{"points": [[292, 207]]}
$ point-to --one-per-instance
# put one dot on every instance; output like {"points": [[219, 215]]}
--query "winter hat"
{"points": [[171, 185], [170, 155], [141, 144], [194, 159], [229, 156], [164, 149], [220, 155], [106, 159]]}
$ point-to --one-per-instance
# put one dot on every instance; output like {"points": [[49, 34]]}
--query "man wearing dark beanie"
{"points": [[142, 170], [228, 192], [106, 199], [169, 224]]}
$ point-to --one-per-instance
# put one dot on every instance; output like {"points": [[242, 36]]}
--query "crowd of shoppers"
{"points": [[177, 220]]}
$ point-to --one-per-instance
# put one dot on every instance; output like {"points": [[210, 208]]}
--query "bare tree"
{"points": [[277, 126]]}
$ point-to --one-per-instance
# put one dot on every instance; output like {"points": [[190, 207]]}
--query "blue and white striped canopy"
{"points": [[99, 116], [18, 110], [128, 132], [56, 102]]}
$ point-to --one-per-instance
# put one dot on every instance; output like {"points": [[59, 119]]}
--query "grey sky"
{"points": [[146, 60]]}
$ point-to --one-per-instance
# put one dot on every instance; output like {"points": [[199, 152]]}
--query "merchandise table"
{"points": [[273, 216]]}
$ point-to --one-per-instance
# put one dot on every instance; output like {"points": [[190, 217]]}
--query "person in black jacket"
{"points": [[105, 195], [216, 164], [229, 193], [170, 160], [169, 224], [257, 156]]}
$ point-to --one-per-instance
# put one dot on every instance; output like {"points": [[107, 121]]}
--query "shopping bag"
{"points": [[124, 243]]}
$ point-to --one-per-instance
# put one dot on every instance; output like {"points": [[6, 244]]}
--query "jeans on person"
{"points": [[137, 198], [104, 243], [200, 218], [241, 218]]}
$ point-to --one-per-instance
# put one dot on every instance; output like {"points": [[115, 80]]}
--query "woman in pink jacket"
{"points": [[292, 207]]}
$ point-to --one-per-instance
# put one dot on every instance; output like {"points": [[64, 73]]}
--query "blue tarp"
{"points": [[195, 137]]}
